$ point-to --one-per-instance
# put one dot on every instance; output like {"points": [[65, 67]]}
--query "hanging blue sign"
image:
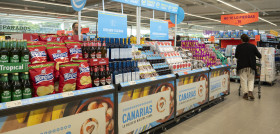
{"points": [[78, 5], [112, 25], [180, 16], [160, 5], [130, 2], [158, 30]]}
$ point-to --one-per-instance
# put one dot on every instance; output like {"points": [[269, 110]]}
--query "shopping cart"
{"points": [[257, 80]]}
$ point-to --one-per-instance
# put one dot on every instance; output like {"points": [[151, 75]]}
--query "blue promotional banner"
{"points": [[130, 2], [112, 25], [78, 5], [160, 5], [158, 29]]}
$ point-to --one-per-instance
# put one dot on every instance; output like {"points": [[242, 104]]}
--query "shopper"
{"points": [[246, 65], [178, 41], [75, 28]]}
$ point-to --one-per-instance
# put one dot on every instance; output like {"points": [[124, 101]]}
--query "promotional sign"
{"points": [[258, 38], [180, 16], [212, 38], [14, 28], [60, 32], [240, 19], [112, 25], [170, 24], [158, 30], [131, 2], [85, 30], [160, 5], [144, 108], [78, 5], [219, 83], [192, 91], [275, 33], [89, 116]]}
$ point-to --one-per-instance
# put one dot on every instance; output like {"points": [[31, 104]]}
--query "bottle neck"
{"points": [[26, 77], [15, 78], [4, 79]]}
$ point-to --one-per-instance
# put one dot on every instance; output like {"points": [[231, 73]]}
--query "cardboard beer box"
{"points": [[262, 77]]}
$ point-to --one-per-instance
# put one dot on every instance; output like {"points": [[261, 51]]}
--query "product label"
{"points": [[4, 59], [137, 75], [14, 59], [129, 53], [117, 79], [27, 93], [125, 77], [133, 75], [84, 70], [96, 82], [107, 54], [17, 94], [117, 53], [108, 80], [103, 81], [24, 58], [75, 51], [98, 55], [92, 55], [60, 55], [41, 78], [113, 53], [120, 78], [129, 76], [122, 53], [69, 76], [35, 54], [6, 96], [86, 55]]}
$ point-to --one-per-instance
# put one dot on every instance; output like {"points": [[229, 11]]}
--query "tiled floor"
{"points": [[237, 116]]}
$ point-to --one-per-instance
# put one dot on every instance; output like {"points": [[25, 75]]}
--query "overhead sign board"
{"points": [[240, 19], [275, 33], [130, 2], [112, 25], [78, 5], [159, 30]]}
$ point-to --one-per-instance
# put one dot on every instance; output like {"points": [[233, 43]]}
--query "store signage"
{"points": [[14, 28], [170, 24], [219, 83], [258, 38], [212, 38], [60, 32], [180, 16], [191, 94], [85, 30], [275, 33], [240, 19], [158, 30], [112, 25], [142, 111], [160, 5], [78, 5], [130, 2]]}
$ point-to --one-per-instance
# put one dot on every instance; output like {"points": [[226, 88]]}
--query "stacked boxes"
{"points": [[268, 64]]}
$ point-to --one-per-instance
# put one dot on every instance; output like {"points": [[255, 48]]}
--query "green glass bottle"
{"points": [[16, 88], [14, 53], [24, 55], [27, 90], [5, 89], [4, 53]]}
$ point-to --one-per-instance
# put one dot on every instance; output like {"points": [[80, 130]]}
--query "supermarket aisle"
{"points": [[237, 116]]}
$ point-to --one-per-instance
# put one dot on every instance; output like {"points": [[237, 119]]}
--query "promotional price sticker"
{"points": [[153, 78], [13, 104], [67, 94], [107, 87], [132, 82]]}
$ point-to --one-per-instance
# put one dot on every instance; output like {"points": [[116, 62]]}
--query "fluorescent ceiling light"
{"points": [[202, 17], [245, 11]]}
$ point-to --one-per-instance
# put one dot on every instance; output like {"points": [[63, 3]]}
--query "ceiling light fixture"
{"points": [[245, 11], [202, 17]]}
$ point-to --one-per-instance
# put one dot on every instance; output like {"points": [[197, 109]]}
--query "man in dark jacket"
{"points": [[246, 65]]}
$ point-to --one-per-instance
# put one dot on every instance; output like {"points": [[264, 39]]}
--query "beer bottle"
{"points": [[14, 54], [24, 52], [4, 53], [108, 75], [95, 78], [98, 50], [5, 89], [26, 86], [16, 88], [86, 50], [91, 52], [102, 77]]}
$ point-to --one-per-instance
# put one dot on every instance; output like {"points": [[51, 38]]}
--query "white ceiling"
{"points": [[269, 10]]}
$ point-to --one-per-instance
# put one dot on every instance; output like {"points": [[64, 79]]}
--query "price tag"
{"points": [[132, 82], [169, 75], [153, 78], [67, 94], [107, 87], [13, 104]]}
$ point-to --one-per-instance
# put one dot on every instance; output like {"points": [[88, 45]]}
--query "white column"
{"points": [[138, 25], [79, 25], [175, 40]]}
